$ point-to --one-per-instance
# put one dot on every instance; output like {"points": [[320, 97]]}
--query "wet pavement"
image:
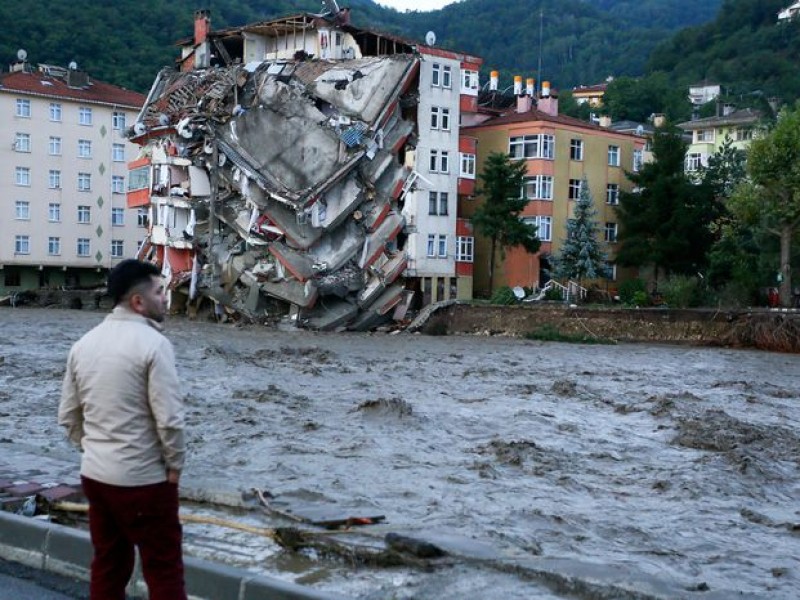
{"points": [[546, 470]]}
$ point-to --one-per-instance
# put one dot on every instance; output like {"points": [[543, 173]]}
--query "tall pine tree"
{"points": [[582, 255]]}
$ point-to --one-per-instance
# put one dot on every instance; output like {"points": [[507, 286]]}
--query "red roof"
{"points": [[97, 92], [535, 115]]}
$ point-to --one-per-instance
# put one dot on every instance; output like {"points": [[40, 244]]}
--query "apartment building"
{"points": [[560, 152], [710, 133], [440, 255], [359, 191], [63, 180]]}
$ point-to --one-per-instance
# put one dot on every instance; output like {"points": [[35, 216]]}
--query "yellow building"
{"points": [[560, 152]]}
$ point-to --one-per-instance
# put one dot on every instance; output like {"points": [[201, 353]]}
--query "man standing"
{"points": [[121, 404]]}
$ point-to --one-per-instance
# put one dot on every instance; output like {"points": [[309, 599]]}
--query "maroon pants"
{"points": [[121, 518]]}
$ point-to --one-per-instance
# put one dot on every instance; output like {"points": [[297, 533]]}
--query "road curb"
{"points": [[67, 551]]}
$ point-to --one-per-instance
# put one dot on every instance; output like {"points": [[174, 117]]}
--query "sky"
{"points": [[403, 5]]}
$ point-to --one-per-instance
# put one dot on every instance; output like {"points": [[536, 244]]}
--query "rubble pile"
{"points": [[281, 183]]}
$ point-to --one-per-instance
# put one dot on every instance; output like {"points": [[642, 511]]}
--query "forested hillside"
{"points": [[584, 41], [744, 48]]}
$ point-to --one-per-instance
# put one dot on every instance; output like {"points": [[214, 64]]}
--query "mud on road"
{"points": [[546, 470]]}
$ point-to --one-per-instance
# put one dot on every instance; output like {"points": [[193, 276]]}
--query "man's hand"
{"points": [[173, 476]]}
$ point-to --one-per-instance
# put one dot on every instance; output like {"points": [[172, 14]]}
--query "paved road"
{"points": [[18, 582]]}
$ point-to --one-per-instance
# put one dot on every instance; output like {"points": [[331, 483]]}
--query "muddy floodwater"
{"points": [[545, 470]]}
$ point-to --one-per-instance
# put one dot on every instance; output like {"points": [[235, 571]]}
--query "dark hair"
{"points": [[127, 275]]}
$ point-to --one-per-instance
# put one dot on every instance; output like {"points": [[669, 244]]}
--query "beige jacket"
{"points": [[121, 401]]}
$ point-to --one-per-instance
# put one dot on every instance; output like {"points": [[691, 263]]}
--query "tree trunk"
{"points": [[491, 267], [786, 266]]}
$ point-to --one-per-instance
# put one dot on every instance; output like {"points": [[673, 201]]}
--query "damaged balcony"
{"points": [[283, 182]]}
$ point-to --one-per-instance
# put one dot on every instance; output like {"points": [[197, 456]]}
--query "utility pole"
{"points": [[541, 36]]}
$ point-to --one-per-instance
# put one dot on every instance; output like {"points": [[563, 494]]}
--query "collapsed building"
{"points": [[275, 166]]}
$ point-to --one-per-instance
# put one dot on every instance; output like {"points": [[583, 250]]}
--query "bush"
{"points": [[640, 298], [554, 294], [628, 290], [681, 291], [503, 295]]}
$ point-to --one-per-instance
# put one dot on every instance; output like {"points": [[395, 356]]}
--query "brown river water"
{"points": [[545, 470]]}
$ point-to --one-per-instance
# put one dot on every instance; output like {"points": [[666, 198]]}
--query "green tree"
{"points": [[498, 217], [771, 198], [581, 256], [666, 222]]}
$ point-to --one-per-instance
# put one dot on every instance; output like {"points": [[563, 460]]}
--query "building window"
{"points": [[22, 142], [433, 203], [84, 182], [531, 146], [54, 212], [576, 149], [138, 179], [436, 74], [613, 156], [611, 232], [54, 179], [611, 271], [431, 250], [439, 161], [55, 111], [538, 187], [23, 109], [83, 247], [574, 189], [705, 135], [54, 246], [85, 115], [467, 169], [116, 249], [694, 161], [118, 217], [142, 217], [442, 246], [443, 201], [117, 184], [440, 118], [22, 176], [118, 120], [118, 152], [637, 160], [447, 77], [744, 134], [84, 214], [84, 149], [55, 146], [22, 210], [465, 249], [22, 244], [544, 226], [469, 80], [612, 193]]}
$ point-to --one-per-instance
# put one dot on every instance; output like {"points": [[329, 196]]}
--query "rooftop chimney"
{"points": [[605, 121], [517, 85], [493, 77], [202, 25], [659, 120], [530, 87], [548, 102]]}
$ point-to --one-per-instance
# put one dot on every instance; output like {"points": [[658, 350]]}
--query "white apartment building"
{"points": [[448, 87], [64, 220]]}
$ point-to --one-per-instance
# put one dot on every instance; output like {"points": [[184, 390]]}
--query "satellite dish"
{"points": [[519, 292], [430, 38], [22, 54], [73, 66], [639, 129]]}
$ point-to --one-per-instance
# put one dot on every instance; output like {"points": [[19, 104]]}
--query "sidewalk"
{"points": [[38, 544]]}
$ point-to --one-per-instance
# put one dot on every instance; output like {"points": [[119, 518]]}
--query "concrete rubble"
{"points": [[277, 187]]}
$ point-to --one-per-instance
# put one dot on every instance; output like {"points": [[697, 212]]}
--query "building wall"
{"points": [[519, 267], [430, 139], [65, 268]]}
